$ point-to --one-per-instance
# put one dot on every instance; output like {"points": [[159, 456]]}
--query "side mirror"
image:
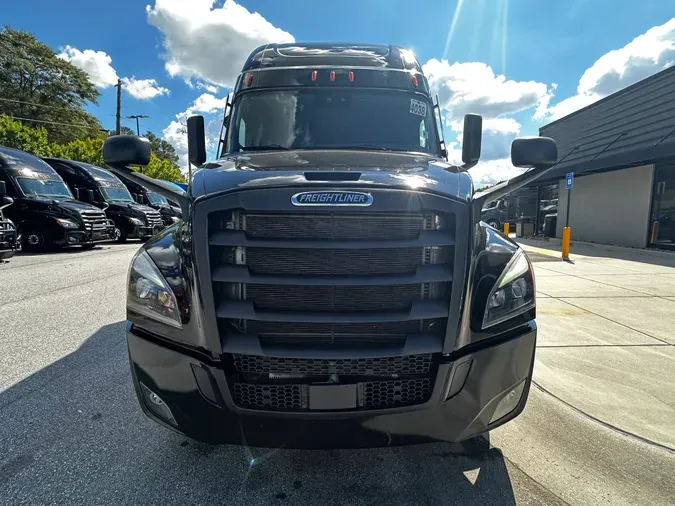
{"points": [[126, 150], [134, 196], [3, 189], [196, 140], [471, 139], [76, 193], [539, 152], [90, 195]]}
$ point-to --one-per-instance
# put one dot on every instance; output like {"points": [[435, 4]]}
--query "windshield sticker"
{"points": [[418, 107]]}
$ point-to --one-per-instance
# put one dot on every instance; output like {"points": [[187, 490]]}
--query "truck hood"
{"points": [[68, 204], [132, 207], [296, 168]]}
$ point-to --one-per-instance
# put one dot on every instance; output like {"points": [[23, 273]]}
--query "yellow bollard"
{"points": [[506, 229], [567, 232]]}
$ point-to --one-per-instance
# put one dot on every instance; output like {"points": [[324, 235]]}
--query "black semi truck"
{"points": [[103, 189], [169, 212], [332, 278], [7, 229], [44, 211]]}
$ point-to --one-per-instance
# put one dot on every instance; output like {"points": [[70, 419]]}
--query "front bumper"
{"points": [[7, 240], [198, 395], [142, 232], [77, 237]]}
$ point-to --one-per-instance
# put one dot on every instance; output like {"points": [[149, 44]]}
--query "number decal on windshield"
{"points": [[418, 107]]}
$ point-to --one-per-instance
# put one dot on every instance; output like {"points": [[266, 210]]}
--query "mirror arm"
{"points": [[181, 197], [501, 189]]}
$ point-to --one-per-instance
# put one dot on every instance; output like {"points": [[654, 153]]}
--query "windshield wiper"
{"points": [[268, 147]]}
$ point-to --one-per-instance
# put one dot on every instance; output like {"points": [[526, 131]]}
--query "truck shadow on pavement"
{"points": [[73, 433]]}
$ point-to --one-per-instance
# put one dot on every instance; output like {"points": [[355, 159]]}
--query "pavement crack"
{"points": [[602, 345], [606, 424]]}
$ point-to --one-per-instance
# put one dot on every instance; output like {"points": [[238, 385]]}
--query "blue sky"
{"points": [[520, 63]]}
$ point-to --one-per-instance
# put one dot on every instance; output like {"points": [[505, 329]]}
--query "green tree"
{"points": [[161, 148], [163, 169], [14, 134], [125, 130], [37, 85], [89, 150]]}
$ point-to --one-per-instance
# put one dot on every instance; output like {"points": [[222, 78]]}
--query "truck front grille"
{"points": [[153, 218], [94, 221], [380, 226], [324, 281], [333, 298], [335, 262]]}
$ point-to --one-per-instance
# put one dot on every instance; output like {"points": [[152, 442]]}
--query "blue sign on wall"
{"points": [[569, 179]]}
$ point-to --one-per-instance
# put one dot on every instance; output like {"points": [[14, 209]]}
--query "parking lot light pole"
{"points": [[137, 117]]}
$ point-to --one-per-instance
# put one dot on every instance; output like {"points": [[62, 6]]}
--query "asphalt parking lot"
{"points": [[599, 427]]}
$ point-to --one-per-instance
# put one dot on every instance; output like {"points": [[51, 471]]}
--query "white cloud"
{"points": [[474, 88], [210, 43], [96, 64], [645, 55], [494, 171], [213, 108], [143, 89], [207, 87]]}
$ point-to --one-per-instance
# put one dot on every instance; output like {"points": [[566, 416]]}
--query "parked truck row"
{"points": [[51, 202]]}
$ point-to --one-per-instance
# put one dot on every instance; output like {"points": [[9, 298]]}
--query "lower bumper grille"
{"points": [[273, 397], [370, 395], [390, 394], [382, 367]]}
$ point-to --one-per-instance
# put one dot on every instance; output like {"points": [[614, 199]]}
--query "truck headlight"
{"points": [[148, 292], [136, 221], [513, 294], [66, 223], [174, 219]]}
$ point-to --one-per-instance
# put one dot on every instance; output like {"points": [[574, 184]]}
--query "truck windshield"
{"points": [[156, 198], [333, 119], [43, 187], [116, 194]]}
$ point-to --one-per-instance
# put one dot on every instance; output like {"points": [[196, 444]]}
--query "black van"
{"points": [[7, 228], [169, 210], [103, 189], [44, 211]]}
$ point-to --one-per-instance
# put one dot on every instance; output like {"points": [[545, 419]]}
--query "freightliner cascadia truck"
{"points": [[331, 277]]}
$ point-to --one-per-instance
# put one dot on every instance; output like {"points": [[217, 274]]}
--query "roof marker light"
{"points": [[414, 80], [314, 74], [249, 80], [351, 77], [332, 76]]}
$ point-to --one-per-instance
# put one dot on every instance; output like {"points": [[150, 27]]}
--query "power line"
{"points": [[37, 105], [59, 123]]}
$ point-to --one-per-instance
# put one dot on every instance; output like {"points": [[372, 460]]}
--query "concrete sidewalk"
{"points": [[607, 334]]}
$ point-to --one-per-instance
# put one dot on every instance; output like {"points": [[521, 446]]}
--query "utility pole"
{"points": [[137, 117], [118, 124]]}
